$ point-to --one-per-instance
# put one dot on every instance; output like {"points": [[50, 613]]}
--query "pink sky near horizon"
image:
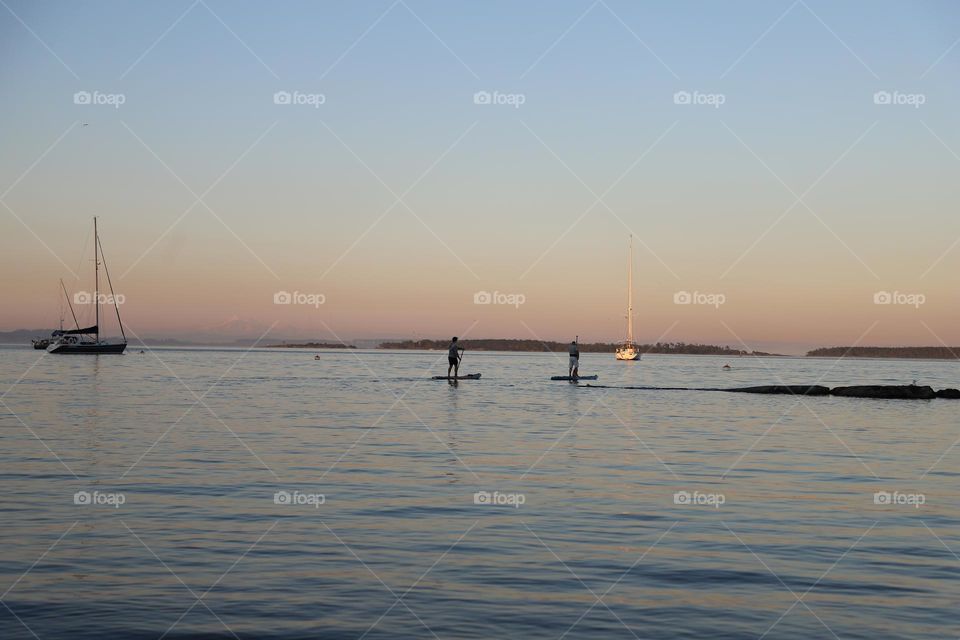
{"points": [[400, 198]]}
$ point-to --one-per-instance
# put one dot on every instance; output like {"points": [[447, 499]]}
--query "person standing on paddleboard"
{"points": [[574, 352], [453, 358]]}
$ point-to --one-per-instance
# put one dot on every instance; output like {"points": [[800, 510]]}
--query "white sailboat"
{"points": [[627, 349]]}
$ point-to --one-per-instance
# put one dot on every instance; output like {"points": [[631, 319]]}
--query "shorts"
{"points": [[453, 361], [574, 361]]}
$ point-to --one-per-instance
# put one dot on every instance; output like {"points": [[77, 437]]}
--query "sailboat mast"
{"points": [[96, 277], [630, 292]]}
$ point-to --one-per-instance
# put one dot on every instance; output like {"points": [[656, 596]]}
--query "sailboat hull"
{"points": [[628, 353], [87, 348]]}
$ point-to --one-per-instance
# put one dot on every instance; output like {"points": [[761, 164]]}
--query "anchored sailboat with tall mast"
{"points": [[79, 340], [627, 349]]}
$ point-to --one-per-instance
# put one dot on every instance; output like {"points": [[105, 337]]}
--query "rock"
{"points": [[788, 389], [952, 394], [891, 392]]}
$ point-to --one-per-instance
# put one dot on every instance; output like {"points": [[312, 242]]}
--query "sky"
{"points": [[787, 169]]}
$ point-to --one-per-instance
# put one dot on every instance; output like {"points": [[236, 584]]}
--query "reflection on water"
{"points": [[139, 500]]}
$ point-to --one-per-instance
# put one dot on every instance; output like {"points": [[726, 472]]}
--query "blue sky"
{"points": [[504, 193]]}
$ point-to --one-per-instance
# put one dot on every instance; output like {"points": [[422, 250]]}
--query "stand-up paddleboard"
{"points": [[569, 378], [470, 376]]}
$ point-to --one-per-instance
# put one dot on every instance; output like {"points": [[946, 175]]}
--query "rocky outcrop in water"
{"points": [[882, 391], [789, 389]]}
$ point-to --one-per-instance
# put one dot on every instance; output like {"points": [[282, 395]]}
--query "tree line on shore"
{"points": [[508, 344], [939, 353]]}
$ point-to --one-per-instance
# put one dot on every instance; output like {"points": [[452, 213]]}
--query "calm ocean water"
{"points": [[217, 493]]}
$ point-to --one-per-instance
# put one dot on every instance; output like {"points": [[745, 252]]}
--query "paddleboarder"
{"points": [[454, 354], [574, 368]]}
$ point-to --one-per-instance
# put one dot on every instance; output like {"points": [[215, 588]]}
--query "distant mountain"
{"points": [[23, 336]]}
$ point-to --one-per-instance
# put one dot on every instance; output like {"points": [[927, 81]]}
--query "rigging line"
{"points": [[69, 304], [116, 305]]}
